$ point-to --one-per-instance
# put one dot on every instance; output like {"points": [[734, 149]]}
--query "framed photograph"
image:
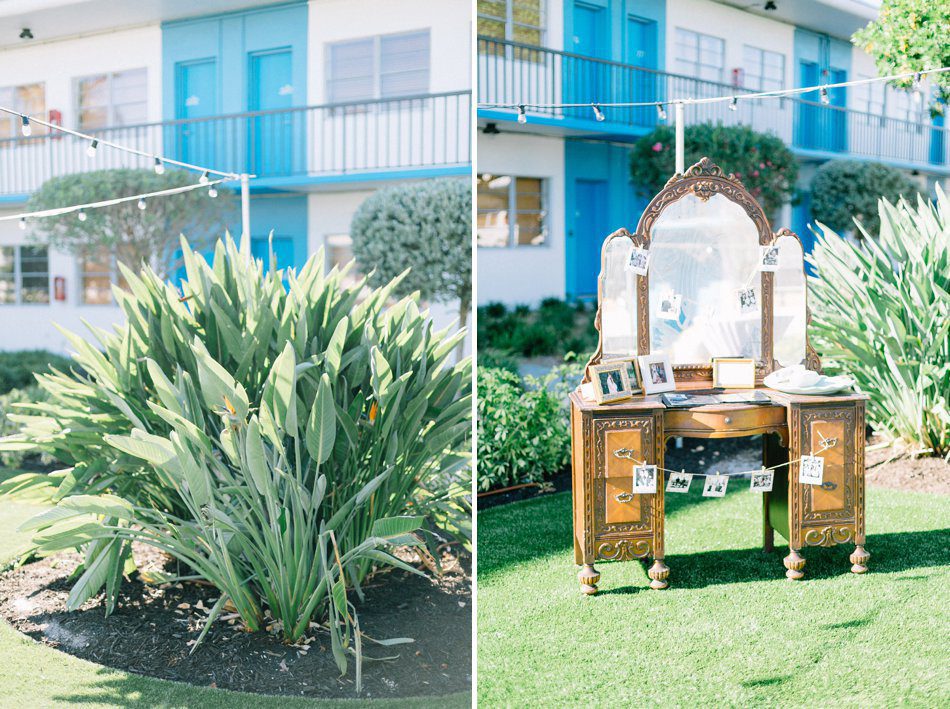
{"points": [[633, 373], [811, 470], [762, 481], [639, 261], [769, 260], [679, 482], [644, 479], [715, 486], [747, 300], [657, 373], [669, 307], [610, 382], [733, 372]]}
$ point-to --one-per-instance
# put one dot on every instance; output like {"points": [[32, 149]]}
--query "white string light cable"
{"points": [[159, 161], [733, 100], [211, 186]]}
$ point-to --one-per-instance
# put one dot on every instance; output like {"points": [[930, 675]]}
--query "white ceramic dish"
{"points": [[785, 380]]}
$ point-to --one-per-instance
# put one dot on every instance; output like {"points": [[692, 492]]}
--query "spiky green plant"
{"points": [[882, 314], [299, 417]]}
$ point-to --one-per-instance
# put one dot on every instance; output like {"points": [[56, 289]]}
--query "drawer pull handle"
{"points": [[829, 485], [624, 497], [626, 454], [728, 419]]}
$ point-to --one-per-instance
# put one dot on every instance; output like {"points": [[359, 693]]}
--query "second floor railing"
{"points": [[431, 130], [513, 73]]}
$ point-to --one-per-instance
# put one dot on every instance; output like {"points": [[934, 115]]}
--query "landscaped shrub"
{"points": [[17, 368], [523, 429], [28, 395], [881, 313], [554, 328], [272, 438], [764, 163], [845, 190]]}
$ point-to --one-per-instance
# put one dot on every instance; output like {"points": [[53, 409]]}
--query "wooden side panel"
{"points": [[831, 494], [578, 489]]}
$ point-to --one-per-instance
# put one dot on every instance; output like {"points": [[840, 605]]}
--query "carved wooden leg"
{"points": [[794, 562], [588, 576], [658, 574], [859, 560]]}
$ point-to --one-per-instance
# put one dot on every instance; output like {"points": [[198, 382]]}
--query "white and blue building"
{"points": [[325, 101], [549, 190]]}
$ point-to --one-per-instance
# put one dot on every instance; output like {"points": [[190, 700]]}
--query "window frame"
{"points": [[377, 43], [13, 121], [697, 62], [18, 276], [111, 121], [513, 212], [113, 274], [761, 69], [510, 23]]}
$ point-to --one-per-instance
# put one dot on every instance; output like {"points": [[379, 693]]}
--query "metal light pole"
{"points": [[245, 213], [680, 125]]}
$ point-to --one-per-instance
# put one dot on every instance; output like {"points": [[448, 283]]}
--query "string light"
{"points": [[204, 178], [141, 204], [82, 215], [25, 128], [824, 96], [733, 105], [522, 116], [22, 223], [93, 147], [660, 112], [598, 114], [159, 167], [212, 192]]}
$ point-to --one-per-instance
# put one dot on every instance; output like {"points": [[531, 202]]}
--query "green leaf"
{"points": [[321, 426]]}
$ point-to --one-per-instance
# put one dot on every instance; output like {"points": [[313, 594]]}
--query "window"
{"points": [[30, 100], [762, 70], [515, 20], [98, 271], [116, 99], [699, 55], [386, 66], [24, 275], [869, 97], [905, 105], [510, 211]]}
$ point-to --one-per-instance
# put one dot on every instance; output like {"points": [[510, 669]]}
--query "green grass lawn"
{"points": [[731, 630], [35, 675]]}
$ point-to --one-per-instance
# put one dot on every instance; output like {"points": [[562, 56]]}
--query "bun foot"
{"points": [[588, 576], [859, 560], [658, 574], [794, 562]]}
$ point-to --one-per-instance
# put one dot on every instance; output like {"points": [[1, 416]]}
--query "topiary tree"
{"points": [[910, 35], [135, 235], [847, 190], [423, 226], [762, 161]]}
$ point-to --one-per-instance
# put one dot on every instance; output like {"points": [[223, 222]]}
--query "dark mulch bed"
{"points": [[150, 631]]}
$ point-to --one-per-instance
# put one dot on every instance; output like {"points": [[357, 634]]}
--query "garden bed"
{"points": [[150, 631]]}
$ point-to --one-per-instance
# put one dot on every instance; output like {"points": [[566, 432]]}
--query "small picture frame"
{"points": [[715, 485], [762, 481], [657, 373], [639, 261], [610, 382], [733, 372], [679, 482], [747, 300], [633, 373], [644, 479], [811, 470], [670, 307], [769, 261]]}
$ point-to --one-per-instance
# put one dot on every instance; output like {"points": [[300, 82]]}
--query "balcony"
{"points": [[513, 73], [295, 146]]}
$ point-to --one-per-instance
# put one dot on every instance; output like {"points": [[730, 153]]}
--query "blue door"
{"points": [[637, 86], [807, 128], [837, 134], [585, 80], [588, 232], [937, 139], [271, 139], [283, 250], [196, 97]]}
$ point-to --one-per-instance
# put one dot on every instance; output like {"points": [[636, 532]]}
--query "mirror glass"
{"points": [[789, 309], [618, 303], [705, 282]]}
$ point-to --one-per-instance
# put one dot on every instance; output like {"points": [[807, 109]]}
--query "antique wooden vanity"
{"points": [[703, 232]]}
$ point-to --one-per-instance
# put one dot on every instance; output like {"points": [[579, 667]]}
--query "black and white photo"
{"points": [[762, 481], [769, 261], [639, 261], [811, 470], [679, 482], [747, 300], [715, 485], [670, 306], [644, 479]]}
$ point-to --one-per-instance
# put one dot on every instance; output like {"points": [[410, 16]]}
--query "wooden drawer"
{"points": [[723, 422]]}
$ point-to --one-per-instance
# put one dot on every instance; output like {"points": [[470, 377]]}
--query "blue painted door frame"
{"points": [[590, 225], [195, 98], [820, 59], [271, 136]]}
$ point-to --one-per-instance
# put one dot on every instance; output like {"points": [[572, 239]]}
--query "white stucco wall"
{"points": [[525, 274]]}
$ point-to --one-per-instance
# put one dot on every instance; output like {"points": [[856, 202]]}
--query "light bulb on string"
{"points": [[25, 128], [82, 215], [159, 167], [598, 114], [212, 192], [204, 178], [660, 112], [917, 77], [823, 94], [522, 116], [93, 147], [141, 204], [733, 105], [22, 223]]}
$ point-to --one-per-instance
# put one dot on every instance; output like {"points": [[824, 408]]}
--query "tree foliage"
{"points": [[910, 36], [847, 190], [135, 235], [423, 226], [762, 161]]}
